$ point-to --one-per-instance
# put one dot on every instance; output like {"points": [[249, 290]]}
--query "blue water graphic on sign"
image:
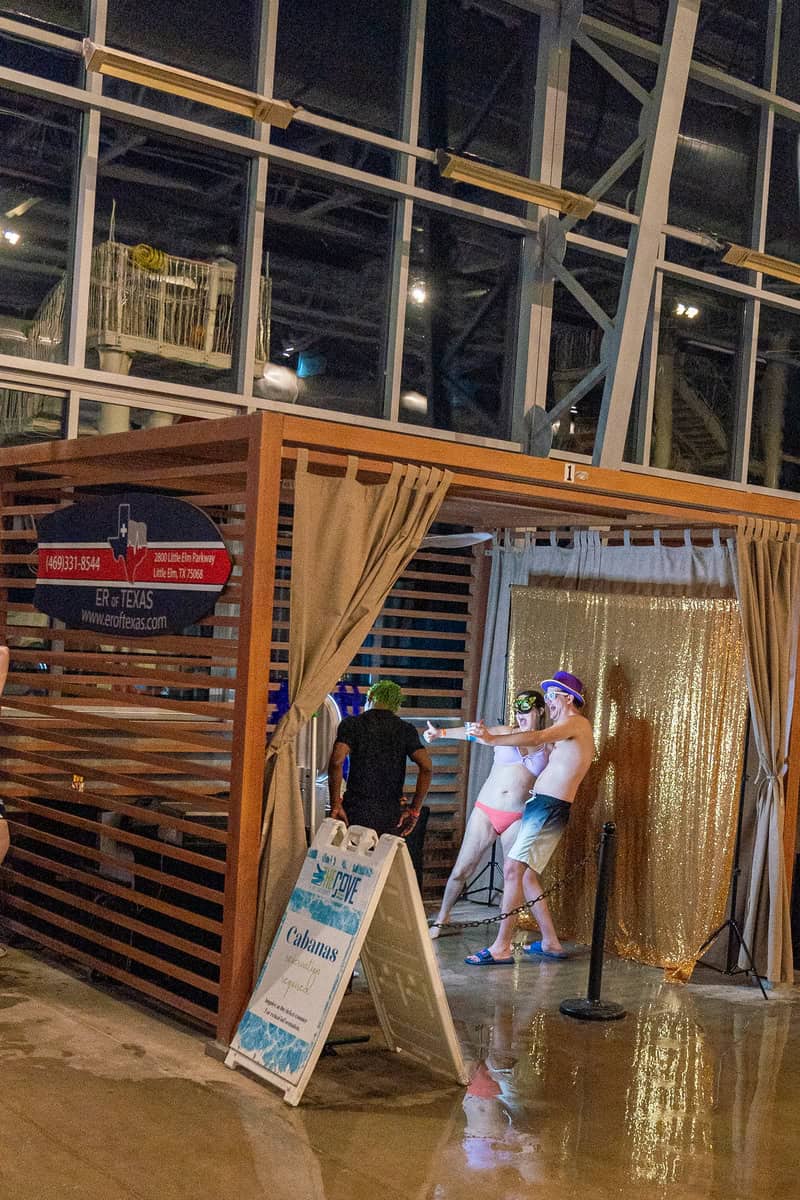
{"points": [[324, 911], [276, 1048]]}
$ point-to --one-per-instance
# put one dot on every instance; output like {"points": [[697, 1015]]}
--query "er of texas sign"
{"points": [[136, 564]]}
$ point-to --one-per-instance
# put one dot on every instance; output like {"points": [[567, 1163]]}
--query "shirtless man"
{"points": [[500, 801], [545, 817]]}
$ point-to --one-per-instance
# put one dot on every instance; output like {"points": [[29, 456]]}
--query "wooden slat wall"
{"points": [[147, 875], [423, 639], [123, 870]]}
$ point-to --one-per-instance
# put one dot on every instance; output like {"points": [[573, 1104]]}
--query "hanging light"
{"points": [[507, 183], [768, 264], [163, 78]]}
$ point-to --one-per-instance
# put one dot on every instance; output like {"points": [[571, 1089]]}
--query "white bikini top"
{"points": [[535, 761]]}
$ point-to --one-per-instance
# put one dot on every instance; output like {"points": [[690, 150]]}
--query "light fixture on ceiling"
{"points": [[163, 78], [24, 206], [418, 291], [11, 236], [768, 264], [686, 310], [414, 403], [507, 183], [278, 383]]}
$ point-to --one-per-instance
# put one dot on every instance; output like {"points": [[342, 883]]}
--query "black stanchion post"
{"points": [[591, 1007]]}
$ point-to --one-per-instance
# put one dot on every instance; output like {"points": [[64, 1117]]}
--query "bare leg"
{"points": [[478, 837], [513, 872], [499, 1052], [532, 886]]}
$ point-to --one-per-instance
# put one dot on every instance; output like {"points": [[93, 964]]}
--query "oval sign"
{"points": [[134, 564]]}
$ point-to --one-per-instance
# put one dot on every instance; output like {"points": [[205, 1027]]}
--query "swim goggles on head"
{"points": [[525, 701]]}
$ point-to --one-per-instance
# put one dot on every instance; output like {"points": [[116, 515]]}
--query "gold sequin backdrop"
{"points": [[665, 687]]}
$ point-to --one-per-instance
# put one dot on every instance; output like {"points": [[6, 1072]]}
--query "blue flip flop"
{"points": [[485, 958], [534, 950]]}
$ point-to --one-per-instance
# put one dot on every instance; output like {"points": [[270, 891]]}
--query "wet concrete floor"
{"points": [[694, 1094]]}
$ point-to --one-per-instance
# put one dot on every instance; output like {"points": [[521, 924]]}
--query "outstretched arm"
{"points": [[459, 733], [433, 733], [530, 737]]}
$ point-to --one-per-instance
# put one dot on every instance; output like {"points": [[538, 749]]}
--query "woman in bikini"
{"points": [[501, 800]]}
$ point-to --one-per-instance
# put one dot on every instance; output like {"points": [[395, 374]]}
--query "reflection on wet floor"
{"points": [[693, 1095]]}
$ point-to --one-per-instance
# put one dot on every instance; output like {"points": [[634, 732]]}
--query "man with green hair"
{"points": [[378, 743]]}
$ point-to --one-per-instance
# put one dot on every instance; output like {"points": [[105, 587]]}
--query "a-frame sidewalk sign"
{"points": [[356, 897]]}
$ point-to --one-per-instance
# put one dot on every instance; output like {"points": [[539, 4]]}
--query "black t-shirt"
{"points": [[379, 745]]}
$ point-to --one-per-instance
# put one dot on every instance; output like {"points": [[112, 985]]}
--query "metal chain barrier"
{"points": [[512, 912]]}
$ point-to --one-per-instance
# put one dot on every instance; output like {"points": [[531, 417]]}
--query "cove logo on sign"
{"points": [[136, 564], [339, 882]]}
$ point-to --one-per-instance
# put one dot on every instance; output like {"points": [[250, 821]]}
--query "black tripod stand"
{"points": [[491, 889], [735, 936]]}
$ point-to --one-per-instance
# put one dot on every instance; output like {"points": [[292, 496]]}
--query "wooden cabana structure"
{"points": [[132, 768]]}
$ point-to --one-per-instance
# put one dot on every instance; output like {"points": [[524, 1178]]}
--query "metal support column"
{"points": [[740, 456], [643, 437], [83, 212], [401, 250], [71, 424], [250, 258], [651, 205], [545, 162]]}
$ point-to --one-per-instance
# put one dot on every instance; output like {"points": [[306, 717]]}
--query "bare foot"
{"points": [[498, 951], [434, 931]]}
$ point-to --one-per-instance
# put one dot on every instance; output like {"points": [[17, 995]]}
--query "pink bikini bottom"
{"points": [[500, 818]]}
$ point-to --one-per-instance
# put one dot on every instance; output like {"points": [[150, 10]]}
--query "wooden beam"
{"points": [[161, 878], [104, 967], [154, 933], [225, 440], [480, 599], [479, 468], [101, 884], [250, 722], [483, 466]]}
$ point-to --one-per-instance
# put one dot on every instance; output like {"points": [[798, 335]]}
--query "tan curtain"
{"points": [[768, 582], [664, 678], [350, 542]]}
